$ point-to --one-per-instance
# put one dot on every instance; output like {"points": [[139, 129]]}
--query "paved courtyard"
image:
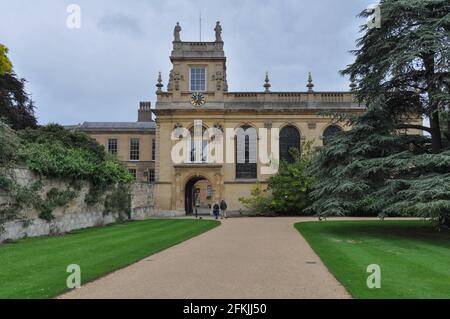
{"points": [[242, 258]]}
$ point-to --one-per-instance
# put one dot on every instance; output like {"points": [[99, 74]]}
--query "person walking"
{"points": [[216, 211], [223, 209]]}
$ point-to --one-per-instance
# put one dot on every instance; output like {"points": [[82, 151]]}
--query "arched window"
{"points": [[245, 147], [289, 139], [199, 144], [329, 132]]}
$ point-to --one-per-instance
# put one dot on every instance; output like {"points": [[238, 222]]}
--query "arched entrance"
{"points": [[198, 196]]}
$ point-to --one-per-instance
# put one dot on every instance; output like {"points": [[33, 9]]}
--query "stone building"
{"points": [[197, 96], [208, 143], [132, 142]]}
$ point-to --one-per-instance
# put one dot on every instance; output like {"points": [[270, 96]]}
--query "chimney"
{"points": [[145, 112]]}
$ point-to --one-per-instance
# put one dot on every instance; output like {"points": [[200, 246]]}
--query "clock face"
{"points": [[197, 99]]}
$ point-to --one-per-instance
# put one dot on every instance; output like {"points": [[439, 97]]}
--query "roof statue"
{"points": [[218, 30], [176, 33]]}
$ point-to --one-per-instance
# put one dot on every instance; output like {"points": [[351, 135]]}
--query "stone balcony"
{"points": [[197, 50], [261, 100]]}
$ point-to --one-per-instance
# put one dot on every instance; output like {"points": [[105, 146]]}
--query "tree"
{"points": [[9, 143], [290, 187], [287, 191], [5, 63], [376, 169], [16, 107], [407, 60]]}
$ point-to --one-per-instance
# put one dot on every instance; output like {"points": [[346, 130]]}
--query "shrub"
{"points": [[55, 198], [259, 202], [56, 152], [9, 143], [119, 201], [291, 186], [53, 151], [288, 191]]}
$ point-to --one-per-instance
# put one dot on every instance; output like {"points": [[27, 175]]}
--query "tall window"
{"points": [[112, 146], [208, 192], [329, 132], [197, 79], [289, 139], [134, 149], [151, 175], [246, 164], [199, 144], [133, 172], [153, 149]]}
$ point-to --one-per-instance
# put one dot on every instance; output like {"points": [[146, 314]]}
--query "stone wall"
{"points": [[75, 215]]}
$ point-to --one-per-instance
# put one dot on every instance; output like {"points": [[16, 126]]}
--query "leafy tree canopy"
{"points": [[287, 191], [407, 60], [376, 169], [5, 63], [16, 106]]}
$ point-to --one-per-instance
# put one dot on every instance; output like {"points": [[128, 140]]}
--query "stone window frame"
{"points": [[248, 169], [330, 131], [204, 146], [134, 149], [205, 78], [151, 176], [113, 149], [289, 141], [153, 149]]}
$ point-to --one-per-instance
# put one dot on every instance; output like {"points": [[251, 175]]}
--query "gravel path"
{"points": [[242, 258]]}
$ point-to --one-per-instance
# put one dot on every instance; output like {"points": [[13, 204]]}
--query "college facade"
{"points": [[196, 100]]}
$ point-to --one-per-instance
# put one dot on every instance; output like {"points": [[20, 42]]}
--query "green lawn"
{"points": [[36, 267], [413, 256]]}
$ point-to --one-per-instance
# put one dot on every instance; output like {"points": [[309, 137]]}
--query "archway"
{"points": [[198, 196]]}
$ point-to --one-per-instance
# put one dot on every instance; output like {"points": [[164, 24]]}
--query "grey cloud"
{"points": [[101, 71], [120, 23]]}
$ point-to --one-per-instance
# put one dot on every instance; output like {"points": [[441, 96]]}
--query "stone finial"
{"points": [[353, 84], [310, 84], [218, 30], [170, 83], [176, 33], [159, 85], [267, 83]]}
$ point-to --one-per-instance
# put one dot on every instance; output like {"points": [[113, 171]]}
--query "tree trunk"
{"points": [[445, 220], [436, 140], [448, 126]]}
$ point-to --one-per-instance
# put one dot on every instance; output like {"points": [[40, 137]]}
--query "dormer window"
{"points": [[197, 79]]}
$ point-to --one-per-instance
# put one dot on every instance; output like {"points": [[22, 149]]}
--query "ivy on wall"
{"points": [[53, 152]]}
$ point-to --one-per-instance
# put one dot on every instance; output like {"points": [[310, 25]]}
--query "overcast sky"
{"points": [[101, 71]]}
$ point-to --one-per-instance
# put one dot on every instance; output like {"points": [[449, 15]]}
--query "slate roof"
{"points": [[117, 126]]}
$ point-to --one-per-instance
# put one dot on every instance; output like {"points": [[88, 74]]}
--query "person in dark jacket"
{"points": [[216, 210], [223, 209]]}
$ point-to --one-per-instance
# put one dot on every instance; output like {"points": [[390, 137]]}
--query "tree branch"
{"points": [[413, 126]]}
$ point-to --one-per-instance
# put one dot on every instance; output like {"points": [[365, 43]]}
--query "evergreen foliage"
{"points": [[16, 106], [376, 169], [407, 60], [402, 72], [52, 151], [287, 191]]}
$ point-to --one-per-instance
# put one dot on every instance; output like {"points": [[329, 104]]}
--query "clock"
{"points": [[197, 99]]}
